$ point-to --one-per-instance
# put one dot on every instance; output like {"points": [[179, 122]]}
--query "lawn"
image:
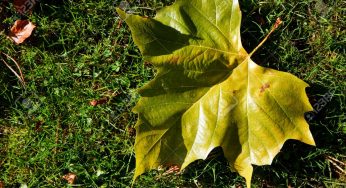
{"points": [[81, 51]]}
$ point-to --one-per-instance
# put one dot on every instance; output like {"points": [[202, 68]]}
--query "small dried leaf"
{"points": [[175, 169], [120, 22], [98, 102], [21, 30], [93, 102], [2, 185], [70, 178]]}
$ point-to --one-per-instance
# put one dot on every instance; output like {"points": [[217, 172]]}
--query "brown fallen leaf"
{"points": [[21, 30], [70, 178], [98, 102], [2, 185], [38, 126], [174, 169], [24, 6], [120, 22], [93, 102]]}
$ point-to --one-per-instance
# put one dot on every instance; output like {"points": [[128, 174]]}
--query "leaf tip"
{"points": [[309, 140], [135, 176], [248, 176], [246, 172], [121, 13]]}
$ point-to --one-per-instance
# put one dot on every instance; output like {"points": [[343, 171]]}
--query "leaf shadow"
{"points": [[214, 171], [160, 36]]}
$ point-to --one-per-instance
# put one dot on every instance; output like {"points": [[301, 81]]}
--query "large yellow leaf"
{"points": [[209, 93]]}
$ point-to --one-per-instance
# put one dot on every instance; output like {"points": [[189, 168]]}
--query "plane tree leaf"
{"points": [[208, 92]]}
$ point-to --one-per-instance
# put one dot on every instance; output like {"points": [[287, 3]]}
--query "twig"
{"points": [[20, 75], [336, 164], [17, 64], [14, 72], [336, 160]]}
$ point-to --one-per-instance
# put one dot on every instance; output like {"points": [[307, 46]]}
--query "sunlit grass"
{"points": [[80, 51]]}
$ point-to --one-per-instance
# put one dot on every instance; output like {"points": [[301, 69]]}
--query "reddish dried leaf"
{"points": [[93, 102], [24, 6], [21, 30], [120, 22], [98, 102], [70, 178], [2, 185], [175, 169]]}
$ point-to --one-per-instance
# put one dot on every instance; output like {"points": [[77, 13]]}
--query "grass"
{"points": [[81, 51]]}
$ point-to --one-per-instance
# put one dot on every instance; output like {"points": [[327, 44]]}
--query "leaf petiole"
{"points": [[276, 25]]}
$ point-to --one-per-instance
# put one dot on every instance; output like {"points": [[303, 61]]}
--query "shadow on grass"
{"points": [[6, 80]]}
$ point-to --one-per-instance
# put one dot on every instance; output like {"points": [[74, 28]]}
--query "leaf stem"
{"points": [[18, 75], [276, 25]]}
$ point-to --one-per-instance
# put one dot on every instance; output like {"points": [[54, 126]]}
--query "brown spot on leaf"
{"points": [[264, 87], [175, 59]]}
